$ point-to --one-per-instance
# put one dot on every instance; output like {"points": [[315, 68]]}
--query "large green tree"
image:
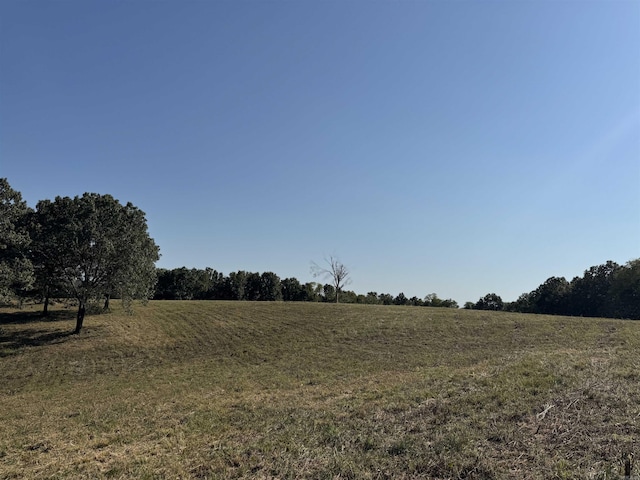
{"points": [[16, 270], [96, 247]]}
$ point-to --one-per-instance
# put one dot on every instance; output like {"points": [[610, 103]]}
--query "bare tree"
{"points": [[335, 270]]}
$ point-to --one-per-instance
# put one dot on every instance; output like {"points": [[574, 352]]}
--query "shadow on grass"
{"points": [[12, 339], [10, 342], [21, 318]]}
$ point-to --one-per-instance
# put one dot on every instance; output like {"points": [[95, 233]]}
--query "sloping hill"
{"points": [[286, 390]]}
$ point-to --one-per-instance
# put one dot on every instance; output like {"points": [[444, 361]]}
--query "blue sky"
{"points": [[454, 147]]}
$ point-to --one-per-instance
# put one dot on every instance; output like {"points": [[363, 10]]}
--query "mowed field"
{"points": [[300, 390]]}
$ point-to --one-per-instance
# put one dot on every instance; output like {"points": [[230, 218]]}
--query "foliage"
{"points": [[94, 246], [265, 287], [432, 300], [550, 297], [16, 269], [292, 290], [371, 298], [385, 299], [209, 284], [624, 291], [401, 299], [490, 301], [607, 290]]}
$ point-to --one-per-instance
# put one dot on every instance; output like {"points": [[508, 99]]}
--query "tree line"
{"points": [[92, 248], [607, 290], [209, 284]]}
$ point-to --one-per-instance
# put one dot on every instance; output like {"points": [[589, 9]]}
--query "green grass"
{"points": [[273, 390]]}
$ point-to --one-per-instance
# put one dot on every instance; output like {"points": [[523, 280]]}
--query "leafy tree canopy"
{"points": [[97, 247], [16, 269]]}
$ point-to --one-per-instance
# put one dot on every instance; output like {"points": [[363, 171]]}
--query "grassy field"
{"points": [[273, 390]]}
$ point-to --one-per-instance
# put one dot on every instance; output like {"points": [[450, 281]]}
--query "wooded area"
{"points": [[92, 248], [87, 248]]}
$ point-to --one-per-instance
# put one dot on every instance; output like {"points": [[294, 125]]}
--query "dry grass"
{"points": [[272, 390]]}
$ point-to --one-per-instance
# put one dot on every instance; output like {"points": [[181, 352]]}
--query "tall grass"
{"points": [[282, 390]]}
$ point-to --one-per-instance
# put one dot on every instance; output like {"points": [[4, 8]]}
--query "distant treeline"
{"points": [[607, 290], [209, 284], [93, 248]]}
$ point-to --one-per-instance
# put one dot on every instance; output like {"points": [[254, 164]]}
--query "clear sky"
{"points": [[460, 148]]}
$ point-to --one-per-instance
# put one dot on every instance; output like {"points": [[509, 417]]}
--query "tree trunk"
{"points": [[107, 297], [80, 318], [45, 309]]}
